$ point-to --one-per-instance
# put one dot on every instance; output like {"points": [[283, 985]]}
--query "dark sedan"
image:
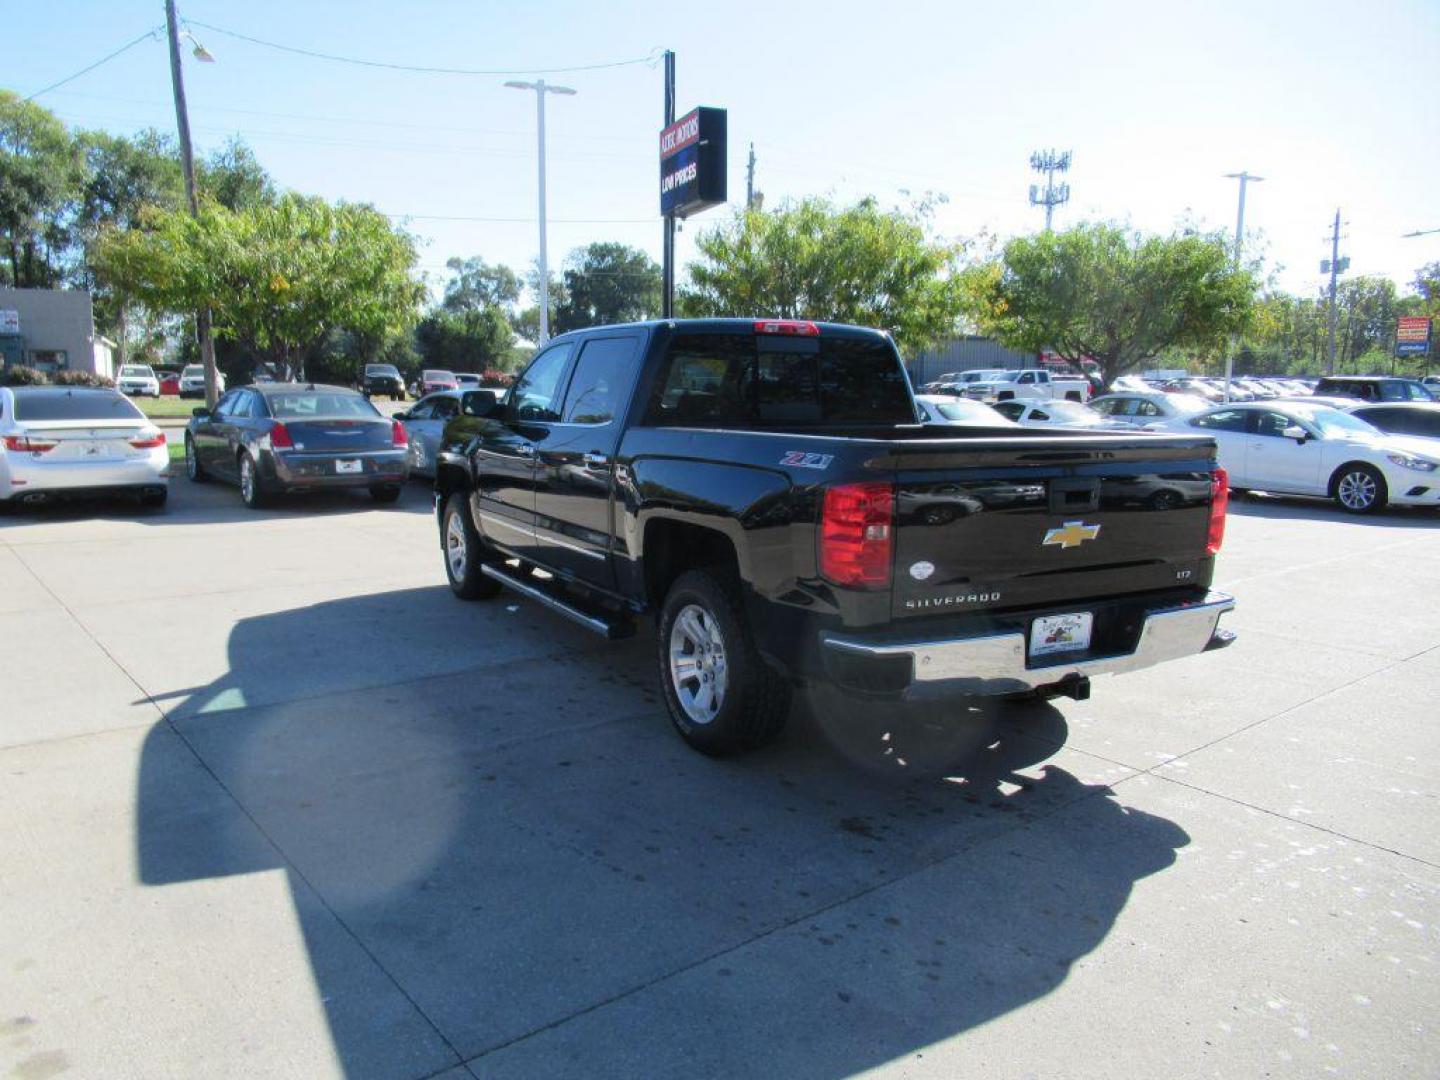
{"points": [[285, 437]]}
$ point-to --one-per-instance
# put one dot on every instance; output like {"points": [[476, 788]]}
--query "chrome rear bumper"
{"points": [[995, 664]]}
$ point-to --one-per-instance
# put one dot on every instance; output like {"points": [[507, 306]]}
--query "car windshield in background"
{"points": [[439, 376], [1335, 424], [48, 404], [130, 371], [317, 404], [760, 379], [193, 371], [962, 410], [382, 369]]}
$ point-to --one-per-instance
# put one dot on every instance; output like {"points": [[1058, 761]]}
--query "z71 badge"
{"points": [[803, 460]]}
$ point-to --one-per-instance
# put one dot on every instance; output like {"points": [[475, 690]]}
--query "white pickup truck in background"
{"points": [[1030, 384]]}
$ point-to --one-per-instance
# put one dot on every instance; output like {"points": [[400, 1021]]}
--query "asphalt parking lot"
{"points": [[272, 803]]}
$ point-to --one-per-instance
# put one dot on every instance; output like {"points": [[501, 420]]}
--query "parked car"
{"points": [[943, 409], [192, 381], [288, 437], [68, 441], [425, 423], [170, 384], [382, 379], [1374, 388], [138, 380], [1051, 414], [1420, 419], [467, 380], [432, 381], [1030, 384], [1148, 410], [762, 496], [1301, 448]]}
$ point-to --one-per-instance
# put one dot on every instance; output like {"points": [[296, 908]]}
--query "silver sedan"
{"points": [[425, 423]]}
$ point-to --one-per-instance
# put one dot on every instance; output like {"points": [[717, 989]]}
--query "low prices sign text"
{"points": [[692, 162]]}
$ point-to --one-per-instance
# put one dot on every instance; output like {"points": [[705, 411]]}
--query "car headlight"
{"points": [[1409, 462]]}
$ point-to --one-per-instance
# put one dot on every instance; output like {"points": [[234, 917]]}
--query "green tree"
{"points": [[477, 284], [234, 177], [466, 340], [278, 277], [1100, 291], [607, 283], [813, 260], [39, 178]]}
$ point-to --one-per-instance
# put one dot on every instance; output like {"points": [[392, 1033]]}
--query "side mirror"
{"points": [[404, 414], [1296, 432], [201, 413], [479, 403]]}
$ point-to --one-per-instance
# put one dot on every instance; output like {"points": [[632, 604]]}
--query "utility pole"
{"points": [[1336, 266], [187, 166], [541, 88], [667, 303], [1244, 178], [1052, 195], [750, 180]]}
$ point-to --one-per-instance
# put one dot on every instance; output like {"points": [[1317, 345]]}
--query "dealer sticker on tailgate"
{"points": [[1060, 633]]}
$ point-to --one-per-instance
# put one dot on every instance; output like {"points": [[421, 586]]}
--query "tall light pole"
{"points": [[1244, 178], [541, 88], [187, 166]]}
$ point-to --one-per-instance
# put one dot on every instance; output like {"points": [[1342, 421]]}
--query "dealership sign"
{"points": [[1412, 336], [692, 163]]}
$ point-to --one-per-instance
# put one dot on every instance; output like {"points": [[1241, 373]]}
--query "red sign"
{"points": [[684, 132], [1413, 328]]}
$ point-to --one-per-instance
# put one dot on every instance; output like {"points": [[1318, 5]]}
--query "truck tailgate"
{"points": [[1042, 524]]}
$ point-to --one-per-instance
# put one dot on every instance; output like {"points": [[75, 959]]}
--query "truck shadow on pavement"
{"points": [[509, 859]]}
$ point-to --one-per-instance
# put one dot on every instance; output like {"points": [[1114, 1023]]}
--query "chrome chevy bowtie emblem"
{"points": [[1071, 534]]}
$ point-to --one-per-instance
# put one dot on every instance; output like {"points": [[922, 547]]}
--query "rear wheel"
{"points": [[250, 490], [193, 469], [722, 697], [464, 552], [385, 493], [1359, 488]]}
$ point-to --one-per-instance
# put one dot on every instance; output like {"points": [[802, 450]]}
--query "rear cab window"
{"points": [[763, 380]]}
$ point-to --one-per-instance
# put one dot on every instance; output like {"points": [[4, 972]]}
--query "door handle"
{"points": [[596, 461], [525, 450]]}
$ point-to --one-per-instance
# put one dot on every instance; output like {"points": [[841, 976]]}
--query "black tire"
{"points": [[463, 559], [753, 700], [1359, 488], [154, 500], [385, 493], [193, 469], [252, 491]]}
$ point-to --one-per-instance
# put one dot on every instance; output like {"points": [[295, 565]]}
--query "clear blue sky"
{"points": [[1334, 103]]}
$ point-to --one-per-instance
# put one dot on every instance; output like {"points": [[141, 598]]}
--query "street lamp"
{"points": [[541, 88], [1244, 178]]}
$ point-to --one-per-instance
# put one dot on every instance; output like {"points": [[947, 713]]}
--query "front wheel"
{"points": [[722, 697], [1360, 489], [463, 550], [193, 469]]}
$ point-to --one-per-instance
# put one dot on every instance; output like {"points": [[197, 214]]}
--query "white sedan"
{"points": [[138, 379], [1296, 447], [1049, 414], [943, 409], [78, 440], [1150, 409]]}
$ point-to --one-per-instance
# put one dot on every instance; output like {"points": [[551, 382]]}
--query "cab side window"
{"points": [[534, 396], [446, 408], [603, 375]]}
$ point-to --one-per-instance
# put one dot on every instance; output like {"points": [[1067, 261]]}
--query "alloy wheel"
{"points": [[697, 663], [455, 547], [1357, 490]]}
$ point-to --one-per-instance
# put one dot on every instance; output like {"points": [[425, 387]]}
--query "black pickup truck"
{"points": [[766, 491]]}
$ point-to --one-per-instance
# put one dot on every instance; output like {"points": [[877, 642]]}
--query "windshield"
{"points": [[381, 369], [79, 404], [1333, 423], [313, 404], [971, 411], [193, 371], [1186, 404], [1072, 412], [439, 376], [978, 376], [136, 371]]}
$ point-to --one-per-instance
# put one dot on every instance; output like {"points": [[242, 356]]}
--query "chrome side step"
{"points": [[596, 622]]}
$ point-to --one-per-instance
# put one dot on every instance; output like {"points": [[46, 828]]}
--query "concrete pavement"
{"points": [[274, 804]]}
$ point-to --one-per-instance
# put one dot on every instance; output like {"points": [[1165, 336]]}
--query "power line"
{"points": [[151, 33], [649, 58], [528, 220]]}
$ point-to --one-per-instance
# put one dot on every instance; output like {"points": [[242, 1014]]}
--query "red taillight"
{"points": [[398, 438], [1219, 503], [280, 437], [857, 535], [28, 444], [787, 326], [148, 440]]}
